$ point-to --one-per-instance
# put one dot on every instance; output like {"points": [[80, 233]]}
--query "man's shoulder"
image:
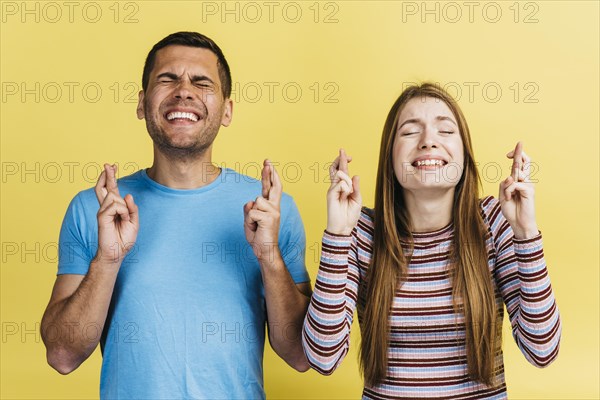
{"points": [[84, 199], [245, 183], [232, 176], [87, 199], [135, 178]]}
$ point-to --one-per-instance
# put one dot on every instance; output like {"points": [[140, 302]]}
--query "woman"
{"points": [[430, 268]]}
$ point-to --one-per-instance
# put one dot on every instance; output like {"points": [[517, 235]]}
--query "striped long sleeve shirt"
{"points": [[427, 348]]}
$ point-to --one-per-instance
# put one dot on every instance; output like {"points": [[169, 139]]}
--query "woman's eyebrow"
{"points": [[445, 118], [410, 121], [419, 121]]}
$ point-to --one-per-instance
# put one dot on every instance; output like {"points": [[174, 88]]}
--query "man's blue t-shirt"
{"points": [[187, 316]]}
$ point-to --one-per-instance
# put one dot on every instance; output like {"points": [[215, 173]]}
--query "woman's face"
{"points": [[428, 149]]}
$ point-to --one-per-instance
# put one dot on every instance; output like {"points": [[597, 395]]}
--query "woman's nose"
{"points": [[428, 139]]}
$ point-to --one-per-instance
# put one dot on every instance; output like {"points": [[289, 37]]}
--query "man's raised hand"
{"points": [[261, 216], [118, 219]]}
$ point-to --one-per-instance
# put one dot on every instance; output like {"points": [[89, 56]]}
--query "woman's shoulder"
{"points": [[487, 201], [366, 212], [367, 215], [492, 216], [490, 208], [366, 220]]}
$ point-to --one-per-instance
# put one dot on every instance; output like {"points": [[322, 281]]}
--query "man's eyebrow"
{"points": [[196, 78], [169, 75]]}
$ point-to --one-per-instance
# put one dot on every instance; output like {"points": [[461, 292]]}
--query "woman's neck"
{"points": [[429, 211]]}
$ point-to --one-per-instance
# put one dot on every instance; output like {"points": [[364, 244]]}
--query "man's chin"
{"points": [[180, 150], [180, 146]]}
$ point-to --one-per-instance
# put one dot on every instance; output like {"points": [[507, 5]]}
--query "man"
{"points": [[172, 270]]}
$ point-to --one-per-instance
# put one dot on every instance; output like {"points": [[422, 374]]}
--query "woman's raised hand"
{"points": [[516, 196], [343, 197]]}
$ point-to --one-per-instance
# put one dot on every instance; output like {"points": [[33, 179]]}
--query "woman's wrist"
{"points": [[526, 233], [338, 231]]}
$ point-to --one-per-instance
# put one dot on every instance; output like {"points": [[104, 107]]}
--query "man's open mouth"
{"points": [[182, 115]]}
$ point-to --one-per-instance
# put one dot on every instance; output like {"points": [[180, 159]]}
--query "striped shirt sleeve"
{"points": [[326, 333], [522, 279]]}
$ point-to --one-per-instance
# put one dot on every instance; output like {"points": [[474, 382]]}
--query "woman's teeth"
{"points": [[422, 163]]}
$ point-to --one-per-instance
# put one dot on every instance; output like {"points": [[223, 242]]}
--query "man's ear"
{"points": [[140, 106], [227, 113]]}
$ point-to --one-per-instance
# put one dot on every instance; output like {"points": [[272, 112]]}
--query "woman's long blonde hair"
{"points": [[472, 289]]}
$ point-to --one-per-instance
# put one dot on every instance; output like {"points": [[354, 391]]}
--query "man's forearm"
{"points": [[71, 328], [286, 308]]}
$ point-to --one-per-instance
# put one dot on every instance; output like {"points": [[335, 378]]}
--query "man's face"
{"points": [[183, 104]]}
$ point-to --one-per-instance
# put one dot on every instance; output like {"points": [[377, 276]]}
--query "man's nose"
{"points": [[184, 90]]}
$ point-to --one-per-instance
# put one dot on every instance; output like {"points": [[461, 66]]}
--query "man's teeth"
{"points": [[422, 163], [182, 115]]}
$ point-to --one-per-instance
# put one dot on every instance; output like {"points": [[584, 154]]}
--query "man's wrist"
{"points": [[105, 265], [268, 254]]}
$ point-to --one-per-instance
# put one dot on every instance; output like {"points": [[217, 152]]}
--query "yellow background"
{"points": [[361, 58]]}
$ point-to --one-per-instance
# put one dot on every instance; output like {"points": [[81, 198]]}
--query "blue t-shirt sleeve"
{"points": [[292, 240], [76, 245]]}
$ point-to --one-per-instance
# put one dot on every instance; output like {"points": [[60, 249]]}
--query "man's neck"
{"points": [[189, 173], [429, 211]]}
